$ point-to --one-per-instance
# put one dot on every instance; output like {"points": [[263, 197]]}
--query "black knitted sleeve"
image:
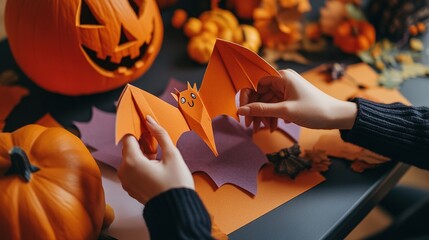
{"points": [[177, 214], [394, 130]]}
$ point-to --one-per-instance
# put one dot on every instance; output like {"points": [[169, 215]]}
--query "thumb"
{"points": [[131, 147], [259, 109], [160, 134]]}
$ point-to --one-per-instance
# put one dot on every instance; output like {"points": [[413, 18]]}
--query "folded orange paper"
{"points": [[230, 69]]}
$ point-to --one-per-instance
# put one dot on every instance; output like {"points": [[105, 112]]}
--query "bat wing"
{"points": [[133, 107], [230, 69]]}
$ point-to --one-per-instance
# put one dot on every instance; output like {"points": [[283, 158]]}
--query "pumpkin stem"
{"points": [[20, 164]]}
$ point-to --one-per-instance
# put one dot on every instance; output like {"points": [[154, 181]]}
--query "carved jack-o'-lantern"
{"points": [[78, 47]]}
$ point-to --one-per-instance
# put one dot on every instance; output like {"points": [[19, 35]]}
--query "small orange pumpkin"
{"points": [[354, 36], [244, 9], [77, 47], [51, 186]]}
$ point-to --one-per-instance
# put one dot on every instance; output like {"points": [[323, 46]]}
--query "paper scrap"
{"points": [[233, 208], [335, 146]]}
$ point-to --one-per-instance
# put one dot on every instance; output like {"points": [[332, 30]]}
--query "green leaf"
{"points": [[354, 12], [366, 57], [391, 78]]}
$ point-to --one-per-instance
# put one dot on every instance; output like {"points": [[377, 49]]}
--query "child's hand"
{"points": [[144, 178], [294, 99]]}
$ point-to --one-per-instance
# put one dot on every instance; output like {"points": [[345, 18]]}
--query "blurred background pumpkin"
{"points": [[83, 46]]}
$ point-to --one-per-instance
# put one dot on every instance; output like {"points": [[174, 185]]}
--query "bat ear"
{"points": [[195, 87], [177, 91], [175, 97], [189, 86]]}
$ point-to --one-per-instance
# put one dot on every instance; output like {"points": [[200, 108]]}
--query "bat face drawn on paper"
{"points": [[192, 108], [230, 69]]}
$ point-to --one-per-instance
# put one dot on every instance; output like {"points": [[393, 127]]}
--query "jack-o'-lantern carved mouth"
{"points": [[117, 37], [127, 64]]}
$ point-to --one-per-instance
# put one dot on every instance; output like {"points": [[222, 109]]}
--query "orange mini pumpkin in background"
{"points": [[50, 186], [354, 36], [77, 47]]}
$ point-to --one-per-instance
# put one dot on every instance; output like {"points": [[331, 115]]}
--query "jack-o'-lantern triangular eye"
{"points": [[126, 37], [87, 16], [137, 6]]}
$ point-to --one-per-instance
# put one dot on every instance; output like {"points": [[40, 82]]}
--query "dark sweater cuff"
{"points": [[177, 214], [394, 130]]}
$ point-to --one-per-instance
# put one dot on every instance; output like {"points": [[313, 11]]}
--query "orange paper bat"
{"points": [[230, 69]]}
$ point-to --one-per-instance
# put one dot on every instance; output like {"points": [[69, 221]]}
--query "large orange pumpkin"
{"points": [[353, 36], [79, 47], [50, 186]]}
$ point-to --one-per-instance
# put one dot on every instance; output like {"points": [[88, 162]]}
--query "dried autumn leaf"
{"points": [[333, 145], [354, 12], [302, 5], [391, 78], [283, 29], [332, 15], [273, 55], [414, 70], [320, 161], [416, 44]]}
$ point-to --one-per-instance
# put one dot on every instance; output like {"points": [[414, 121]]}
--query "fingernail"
{"points": [[243, 110], [150, 120]]}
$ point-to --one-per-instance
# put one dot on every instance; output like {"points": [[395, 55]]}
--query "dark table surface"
{"points": [[328, 211]]}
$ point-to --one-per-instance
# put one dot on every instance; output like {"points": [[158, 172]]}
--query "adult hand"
{"points": [[144, 178], [294, 99]]}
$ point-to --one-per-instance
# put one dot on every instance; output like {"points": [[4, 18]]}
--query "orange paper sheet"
{"points": [[232, 208], [341, 89], [346, 87], [363, 74], [383, 95], [335, 146]]}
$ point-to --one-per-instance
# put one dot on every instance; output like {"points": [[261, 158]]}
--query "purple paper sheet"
{"points": [[239, 158], [99, 133]]}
